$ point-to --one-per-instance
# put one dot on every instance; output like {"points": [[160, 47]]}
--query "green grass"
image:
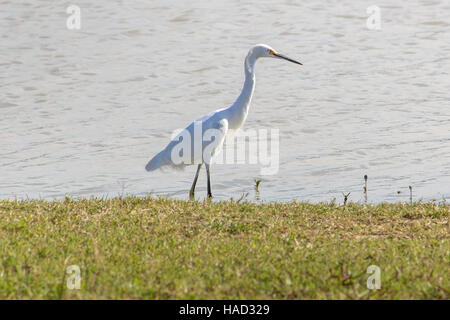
{"points": [[134, 248]]}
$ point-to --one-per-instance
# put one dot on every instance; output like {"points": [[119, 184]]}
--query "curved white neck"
{"points": [[242, 103], [249, 85]]}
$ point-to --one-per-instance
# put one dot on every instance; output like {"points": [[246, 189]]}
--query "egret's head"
{"points": [[263, 50]]}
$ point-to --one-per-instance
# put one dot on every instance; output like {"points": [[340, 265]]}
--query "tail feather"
{"points": [[157, 161], [163, 159]]}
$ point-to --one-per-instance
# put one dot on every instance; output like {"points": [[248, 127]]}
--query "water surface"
{"points": [[82, 111]]}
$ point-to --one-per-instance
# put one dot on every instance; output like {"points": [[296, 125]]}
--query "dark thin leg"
{"points": [[192, 191], [209, 181]]}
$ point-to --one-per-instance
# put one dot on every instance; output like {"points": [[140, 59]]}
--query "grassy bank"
{"points": [[136, 248]]}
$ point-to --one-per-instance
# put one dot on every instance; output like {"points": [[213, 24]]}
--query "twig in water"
{"points": [[365, 188], [410, 194]]}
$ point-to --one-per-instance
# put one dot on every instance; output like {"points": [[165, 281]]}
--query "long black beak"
{"points": [[279, 55]]}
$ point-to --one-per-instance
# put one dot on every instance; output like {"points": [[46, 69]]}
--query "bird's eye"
{"points": [[271, 51]]}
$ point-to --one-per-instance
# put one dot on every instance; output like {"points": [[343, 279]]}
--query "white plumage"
{"points": [[213, 120], [219, 124]]}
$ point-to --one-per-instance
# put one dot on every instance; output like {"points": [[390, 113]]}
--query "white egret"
{"points": [[221, 122]]}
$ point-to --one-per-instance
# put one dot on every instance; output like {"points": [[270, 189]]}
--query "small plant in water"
{"points": [[257, 182], [244, 195], [345, 197]]}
